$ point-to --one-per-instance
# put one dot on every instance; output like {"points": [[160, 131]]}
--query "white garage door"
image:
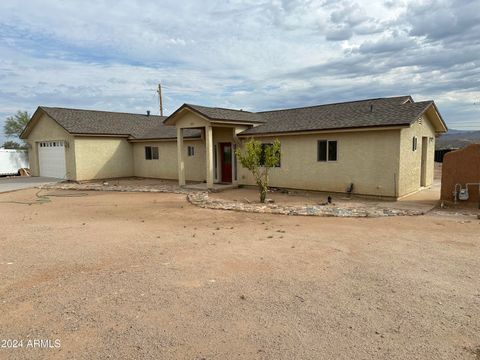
{"points": [[51, 159]]}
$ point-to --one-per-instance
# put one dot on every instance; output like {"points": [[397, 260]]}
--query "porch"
{"points": [[219, 145]]}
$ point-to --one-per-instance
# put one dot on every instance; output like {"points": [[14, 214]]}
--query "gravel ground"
{"points": [[149, 276]]}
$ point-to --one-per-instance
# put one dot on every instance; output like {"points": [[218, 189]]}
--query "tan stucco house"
{"points": [[381, 147]]}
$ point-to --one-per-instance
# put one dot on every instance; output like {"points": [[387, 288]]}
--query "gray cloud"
{"points": [[440, 20], [339, 34], [388, 45]]}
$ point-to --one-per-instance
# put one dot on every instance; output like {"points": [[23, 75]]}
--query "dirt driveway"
{"points": [[149, 276]]}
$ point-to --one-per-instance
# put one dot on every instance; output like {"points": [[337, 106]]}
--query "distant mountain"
{"points": [[457, 139]]}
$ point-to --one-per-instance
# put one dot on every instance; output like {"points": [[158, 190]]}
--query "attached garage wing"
{"points": [[51, 159]]}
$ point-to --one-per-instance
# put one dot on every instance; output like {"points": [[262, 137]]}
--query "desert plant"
{"points": [[259, 159]]}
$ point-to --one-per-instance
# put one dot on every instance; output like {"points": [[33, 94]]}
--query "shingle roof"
{"points": [[138, 126], [221, 114], [381, 112], [396, 111]]}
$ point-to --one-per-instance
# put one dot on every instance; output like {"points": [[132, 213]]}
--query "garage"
{"points": [[51, 159]]}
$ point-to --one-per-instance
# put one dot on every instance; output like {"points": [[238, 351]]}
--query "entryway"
{"points": [[226, 162]]}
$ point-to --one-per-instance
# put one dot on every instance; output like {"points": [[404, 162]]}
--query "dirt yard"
{"points": [[149, 276]]}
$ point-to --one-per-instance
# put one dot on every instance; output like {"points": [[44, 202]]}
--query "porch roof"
{"points": [[215, 114]]}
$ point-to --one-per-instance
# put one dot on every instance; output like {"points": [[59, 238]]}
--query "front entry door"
{"points": [[226, 161]]}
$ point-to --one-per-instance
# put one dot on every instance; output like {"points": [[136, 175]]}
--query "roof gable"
{"points": [[214, 114]]}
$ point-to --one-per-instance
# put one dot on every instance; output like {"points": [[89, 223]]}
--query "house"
{"points": [[380, 147]]}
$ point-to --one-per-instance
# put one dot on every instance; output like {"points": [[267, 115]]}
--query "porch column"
{"points": [[209, 155], [181, 162]]}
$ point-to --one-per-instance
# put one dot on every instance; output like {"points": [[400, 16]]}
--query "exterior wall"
{"points": [[166, 165], [368, 159], [191, 120], [47, 129], [103, 158], [410, 161], [461, 167]]}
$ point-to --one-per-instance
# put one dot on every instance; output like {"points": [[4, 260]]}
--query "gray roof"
{"points": [[222, 114], [396, 111], [93, 122], [381, 112]]}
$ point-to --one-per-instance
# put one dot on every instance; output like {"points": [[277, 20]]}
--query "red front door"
{"points": [[226, 161]]}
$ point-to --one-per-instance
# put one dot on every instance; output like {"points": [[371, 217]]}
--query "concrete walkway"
{"points": [[425, 199], [24, 182]]}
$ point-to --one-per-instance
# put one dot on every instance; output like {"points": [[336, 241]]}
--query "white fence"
{"points": [[12, 160]]}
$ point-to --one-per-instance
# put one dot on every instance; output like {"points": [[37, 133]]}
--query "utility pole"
{"points": [[160, 97]]}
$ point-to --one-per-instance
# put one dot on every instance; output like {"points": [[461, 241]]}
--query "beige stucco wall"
{"points": [[166, 165], [46, 129], [368, 159], [103, 157], [410, 161], [191, 120]]}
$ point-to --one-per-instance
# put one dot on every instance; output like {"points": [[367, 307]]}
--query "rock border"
{"points": [[202, 200], [119, 188]]}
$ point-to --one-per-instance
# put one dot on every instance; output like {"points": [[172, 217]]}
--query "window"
{"points": [[327, 150], [332, 151], [414, 143], [262, 155], [155, 152], [191, 151], [151, 152]]}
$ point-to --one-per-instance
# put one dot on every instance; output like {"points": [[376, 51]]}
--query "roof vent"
{"points": [[148, 112], [371, 107]]}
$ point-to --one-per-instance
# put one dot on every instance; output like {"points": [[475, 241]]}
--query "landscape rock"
{"points": [[202, 199]]}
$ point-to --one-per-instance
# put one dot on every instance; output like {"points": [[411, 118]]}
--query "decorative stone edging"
{"points": [[202, 200], [120, 188]]}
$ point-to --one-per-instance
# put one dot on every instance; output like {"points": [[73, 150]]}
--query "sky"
{"points": [[251, 55]]}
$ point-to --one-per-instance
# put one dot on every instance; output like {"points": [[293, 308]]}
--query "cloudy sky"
{"points": [[254, 55]]}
